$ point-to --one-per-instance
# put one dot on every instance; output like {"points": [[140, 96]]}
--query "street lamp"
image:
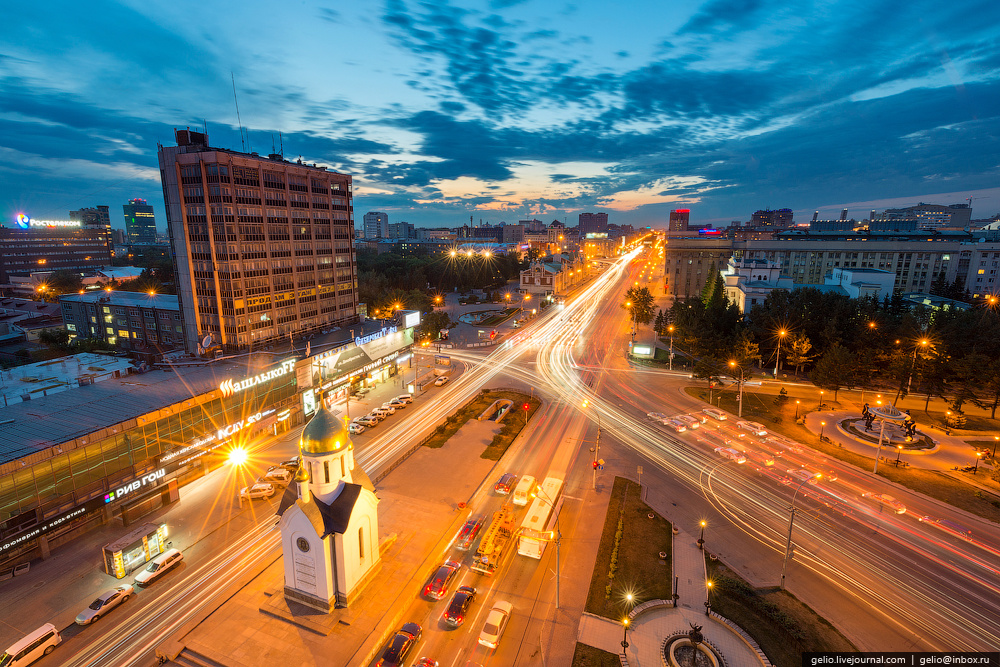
{"points": [[899, 450], [732, 364], [708, 597], [701, 539], [923, 342], [777, 356], [979, 455], [671, 330], [791, 520], [624, 633], [796, 409], [557, 537], [820, 400], [822, 425], [597, 446]]}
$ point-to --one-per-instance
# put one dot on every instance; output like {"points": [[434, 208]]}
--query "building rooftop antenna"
{"points": [[243, 142]]}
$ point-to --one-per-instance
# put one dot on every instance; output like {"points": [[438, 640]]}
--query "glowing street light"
{"points": [[237, 456], [777, 357], [791, 520]]}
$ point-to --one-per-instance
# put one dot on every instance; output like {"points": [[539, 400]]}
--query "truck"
{"points": [[495, 540]]}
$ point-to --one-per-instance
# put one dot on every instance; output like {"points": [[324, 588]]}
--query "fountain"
{"points": [[690, 649]]}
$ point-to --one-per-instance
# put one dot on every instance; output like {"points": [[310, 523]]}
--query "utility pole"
{"points": [[597, 450]]}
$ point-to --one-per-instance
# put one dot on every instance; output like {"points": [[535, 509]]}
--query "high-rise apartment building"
{"points": [[140, 222], [263, 246], [592, 222], [679, 220], [98, 217], [376, 225], [779, 218], [401, 230]]}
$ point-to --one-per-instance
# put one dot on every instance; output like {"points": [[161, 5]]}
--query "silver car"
{"points": [[107, 601]]}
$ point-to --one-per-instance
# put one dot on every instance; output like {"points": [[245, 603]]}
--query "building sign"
{"points": [[210, 442], [411, 319], [149, 479], [228, 387], [25, 222], [361, 340], [285, 296], [46, 526]]}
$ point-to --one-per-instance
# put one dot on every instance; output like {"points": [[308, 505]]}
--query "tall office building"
{"points": [[263, 246], [593, 222], [98, 217], [401, 230], [140, 222], [376, 225], [679, 220], [52, 245]]}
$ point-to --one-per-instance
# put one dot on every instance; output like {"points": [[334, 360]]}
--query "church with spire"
{"points": [[329, 520]]}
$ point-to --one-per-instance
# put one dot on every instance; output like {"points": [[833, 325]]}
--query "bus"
{"points": [[536, 529]]}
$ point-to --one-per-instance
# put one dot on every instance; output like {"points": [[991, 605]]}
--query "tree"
{"points": [[708, 368], [642, 303], [798, 351], [431, 325], [659, 325], [710, 282], [55, 339], [834, 369]]}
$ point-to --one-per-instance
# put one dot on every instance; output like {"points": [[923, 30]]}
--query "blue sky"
{"points": [[508, 109]]}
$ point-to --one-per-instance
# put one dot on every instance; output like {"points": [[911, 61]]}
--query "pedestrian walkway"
{"points": [[654, 621]]}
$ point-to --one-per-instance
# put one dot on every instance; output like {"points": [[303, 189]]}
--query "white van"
{"points": [[522, 492], [158, 566], [718, 415], [34, 645], [753, 427]]}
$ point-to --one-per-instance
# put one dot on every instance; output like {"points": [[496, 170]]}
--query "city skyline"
{"points": [[506, 110]]}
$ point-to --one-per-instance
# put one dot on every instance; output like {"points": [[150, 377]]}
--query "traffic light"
{"points": [[595, 465]]}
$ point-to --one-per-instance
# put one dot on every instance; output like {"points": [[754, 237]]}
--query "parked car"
{"points": [[505, 483], [258, 491], [388, 407], [291, 464], [375, 417], [381, 413], [158, 566], [31, 647], [104, 603], [467, 535], [398, 404], [442, 380], [400, 645], [495, 624], [437, 587], [688, 421], [355, 428], [406, 398], [459, 607], [365, 421], [276, 474]]}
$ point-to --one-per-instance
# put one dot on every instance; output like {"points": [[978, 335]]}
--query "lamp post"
{"points": [[796, 409], [708, 597], [922, 342], [597, 446], [624, 633], [556, 538], [791, 521], [979, 455], [701, 539], [777, 356], [732, 364], [821, 392], [822, 425], [996, 439], [671, 330], [899, 450]]}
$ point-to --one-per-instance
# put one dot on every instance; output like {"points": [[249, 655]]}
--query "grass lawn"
{"points": [[781, 419], [512, 424], [782, 626], [638, 567], [588, 656]]}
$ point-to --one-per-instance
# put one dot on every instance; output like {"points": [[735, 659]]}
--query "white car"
{"points": [[731, 454], [397, 403], [405, 398], [389, 407], [261, 490], [158, 566], [355, 428], [887, 500], [688, 420], [381, 413], [276, 474], [443, 379], [495, 624], [715, 414], [753, 427], [365, 421], [104, 603], [678, 426]]}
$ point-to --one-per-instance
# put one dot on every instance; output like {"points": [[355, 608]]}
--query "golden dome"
{"points": [[324, 434]]}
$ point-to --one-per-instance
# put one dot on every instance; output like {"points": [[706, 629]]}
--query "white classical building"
{"points": [[749, 281], [329, 534]]}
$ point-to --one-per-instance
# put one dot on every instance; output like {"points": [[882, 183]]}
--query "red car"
{"points": [[467, 535], [459, 606], [437, 587]]}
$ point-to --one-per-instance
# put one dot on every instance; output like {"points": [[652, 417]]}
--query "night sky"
{"points": [[505, 110]]}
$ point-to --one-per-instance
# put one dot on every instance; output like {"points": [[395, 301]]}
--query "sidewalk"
{"points": [[650, 627]]}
